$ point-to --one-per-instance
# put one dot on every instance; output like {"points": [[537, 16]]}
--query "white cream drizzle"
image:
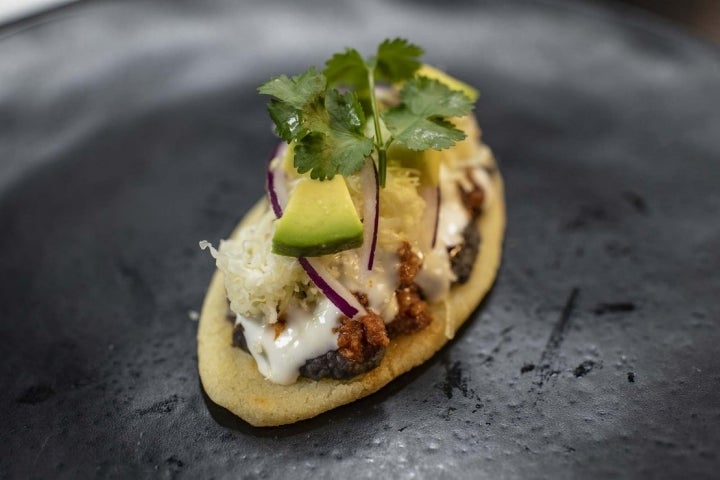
{"points": [[436, 274], [379, 284], [306, 335], [453, 214]]}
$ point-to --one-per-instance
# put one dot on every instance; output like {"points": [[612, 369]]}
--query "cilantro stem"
{"points": [[382, 152]]}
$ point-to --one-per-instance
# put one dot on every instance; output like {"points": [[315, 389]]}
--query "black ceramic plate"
{"points": [[130, 131]]}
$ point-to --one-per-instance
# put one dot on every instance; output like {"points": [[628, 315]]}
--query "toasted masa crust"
{"points": [[231, 379]]}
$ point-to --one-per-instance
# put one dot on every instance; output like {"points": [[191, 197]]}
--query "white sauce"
{"points": [[481, 177], [453, 215], [436, 274], [379, 285], [307, 334]]}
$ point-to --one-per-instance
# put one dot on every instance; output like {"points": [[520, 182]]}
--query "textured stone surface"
{"points": [[129, 131]]}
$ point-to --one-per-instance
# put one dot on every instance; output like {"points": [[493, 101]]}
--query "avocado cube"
{"points": [[427, 162], [451, 82], [319, 219]]}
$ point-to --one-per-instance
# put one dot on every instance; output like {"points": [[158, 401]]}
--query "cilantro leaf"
{"points": [[419, 123], [426, 96], [297, 91], [292, 97], [345, 111], [328, 155], [397, 60], [347, 68], [313, 153], [420, 133], [336, 144], [288, 123]]}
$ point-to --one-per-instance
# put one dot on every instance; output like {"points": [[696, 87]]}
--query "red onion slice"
{"points": [[336, 292], [371, 213], [275, 180], [431, 216], [438, 201]]}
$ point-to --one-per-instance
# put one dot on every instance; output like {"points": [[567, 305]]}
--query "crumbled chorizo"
{"points": [[413, 314], [410, 264], [360, 339], [362, 298], [350, 340], [280, 325], [375, 332]]}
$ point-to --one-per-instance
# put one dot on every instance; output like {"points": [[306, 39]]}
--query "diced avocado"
{"points": [[288, 159], [452, 82], [319, 219], [426, 162]]}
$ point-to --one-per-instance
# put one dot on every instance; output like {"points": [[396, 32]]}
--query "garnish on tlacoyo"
{"points": [[379, 235]]}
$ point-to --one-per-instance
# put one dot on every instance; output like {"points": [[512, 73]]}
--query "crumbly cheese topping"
{"points": [[258, 282]]}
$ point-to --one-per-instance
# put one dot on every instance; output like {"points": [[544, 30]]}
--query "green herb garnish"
{"points": [[325, 113]]}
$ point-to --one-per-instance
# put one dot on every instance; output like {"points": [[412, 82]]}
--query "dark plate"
{"points": [[130, 131]]}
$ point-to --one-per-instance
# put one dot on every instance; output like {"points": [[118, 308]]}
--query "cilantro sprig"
{"points": [[325, 113]]}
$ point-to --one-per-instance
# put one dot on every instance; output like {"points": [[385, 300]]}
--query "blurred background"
{"points": [[700, 17]]}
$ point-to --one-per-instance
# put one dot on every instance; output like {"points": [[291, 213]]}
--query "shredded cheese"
{"points": [[258, 282]]}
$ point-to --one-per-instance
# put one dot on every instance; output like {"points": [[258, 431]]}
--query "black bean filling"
{"points": [[327, 365], [334, 365], [238, 338], [463, 256]]}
